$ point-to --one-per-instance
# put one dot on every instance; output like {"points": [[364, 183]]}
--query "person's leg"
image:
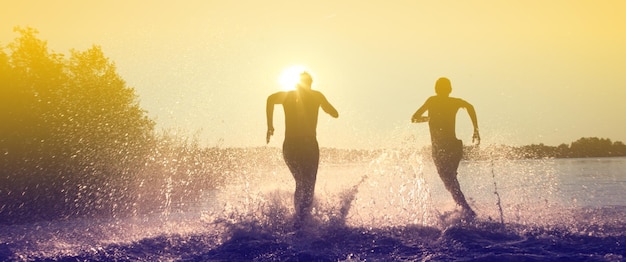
{"points": [[291, 157], [452, 185], [302, 158], [310, 163], [447, 158], [456, 157]]}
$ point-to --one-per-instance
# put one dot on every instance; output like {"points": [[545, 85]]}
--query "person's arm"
{"points": [[327, 107], [273, 99], [472, 114], [418, 116]]}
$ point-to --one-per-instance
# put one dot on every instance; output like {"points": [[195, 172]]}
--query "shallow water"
{"points": [[389, 209]]}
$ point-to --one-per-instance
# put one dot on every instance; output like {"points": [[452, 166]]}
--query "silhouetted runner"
{"points": [[447, 150], [300, 148]]}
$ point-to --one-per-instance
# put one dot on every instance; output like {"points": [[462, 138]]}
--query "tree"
{"points": [[619, 148], [71, 128], [103, 115], [591, 147]]}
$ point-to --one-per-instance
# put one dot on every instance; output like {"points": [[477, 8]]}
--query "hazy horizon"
{"points": [[536, 72]]}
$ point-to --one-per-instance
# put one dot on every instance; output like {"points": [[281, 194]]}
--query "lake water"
{"points": [[393, 208]]}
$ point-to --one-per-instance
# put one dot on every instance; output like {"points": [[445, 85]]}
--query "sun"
{"points": [[290, 76]]}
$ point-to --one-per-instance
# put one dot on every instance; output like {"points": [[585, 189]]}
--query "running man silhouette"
{"points": [[300, 148], [447, 150]]}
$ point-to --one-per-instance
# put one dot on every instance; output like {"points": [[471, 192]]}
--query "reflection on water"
{"points": [[593, 182]]}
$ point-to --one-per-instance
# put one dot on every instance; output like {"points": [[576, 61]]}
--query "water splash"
{"points": [[495, 192], [389, 206]]}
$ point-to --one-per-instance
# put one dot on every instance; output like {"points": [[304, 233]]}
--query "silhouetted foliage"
{"points": [[71, 128]]}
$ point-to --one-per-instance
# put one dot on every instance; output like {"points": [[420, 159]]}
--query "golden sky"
{"points": [[536, 71]]}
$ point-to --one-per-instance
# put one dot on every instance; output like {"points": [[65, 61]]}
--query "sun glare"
{"points": [[290, 77]]}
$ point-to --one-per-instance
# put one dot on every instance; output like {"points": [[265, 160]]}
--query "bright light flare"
{"points": [[290, 77]]}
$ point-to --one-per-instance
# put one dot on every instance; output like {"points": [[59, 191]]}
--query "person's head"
{"points": [[443, 87], [305, 80]]}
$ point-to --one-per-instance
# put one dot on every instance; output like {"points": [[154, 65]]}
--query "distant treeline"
{"points": [[583, 147]]}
